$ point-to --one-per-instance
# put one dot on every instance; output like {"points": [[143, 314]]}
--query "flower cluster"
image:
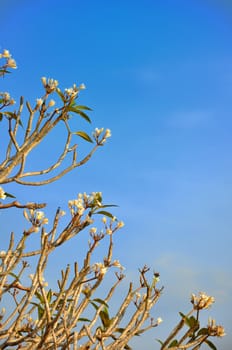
{"points": [[77, 206], [10, 62], [36, 217], [5, 99], [99, 269], [116, 263], [202, 301], [72, 92], [215, 330], [50, 85], [2, 193], [113, 225], [100, 135], [84, 201]]}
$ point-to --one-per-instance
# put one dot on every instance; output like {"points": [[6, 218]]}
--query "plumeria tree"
{"points": [[74, 314]]}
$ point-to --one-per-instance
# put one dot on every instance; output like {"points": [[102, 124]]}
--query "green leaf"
{"points": [[173, 343], [78, 111], [119, 330], [85, 136], [105, 318], [3, 71], [36, 304], [83, 107], [100, 301], [96, 307], [82, 319], [210, 344], [40, 312], [73, 103], [109, 205], [159, 341], [9, 195], [106, 213], [139, 332], [40, 297], [49, 296], [203, 331], [193, 322]]}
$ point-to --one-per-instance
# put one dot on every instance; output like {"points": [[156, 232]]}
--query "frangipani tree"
{"points": [[72, 315]]}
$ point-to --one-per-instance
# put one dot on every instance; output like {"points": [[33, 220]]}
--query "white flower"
{"points": [[109, 231], [159, 320], [2, 193]]}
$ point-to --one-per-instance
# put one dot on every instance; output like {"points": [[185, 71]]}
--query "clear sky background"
{"points": [[159, 75]]}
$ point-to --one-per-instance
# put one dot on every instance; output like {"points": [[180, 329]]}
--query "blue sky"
{"points": [[159, 75]]}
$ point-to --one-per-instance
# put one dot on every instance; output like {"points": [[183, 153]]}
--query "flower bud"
{"points": [[6, 54], [51, 103], [82, 87], [11, 63], [44, 81], [39, 102]]}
